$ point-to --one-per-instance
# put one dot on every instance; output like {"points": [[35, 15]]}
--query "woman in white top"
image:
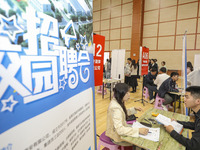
{"points": [[117, 115], [163, 64], [134, 76]]}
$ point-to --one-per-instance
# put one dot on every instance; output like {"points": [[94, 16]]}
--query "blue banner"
{"points": [[46, 56]]}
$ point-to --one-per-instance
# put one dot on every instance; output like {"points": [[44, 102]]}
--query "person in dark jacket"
{"points": [[192, 100], [149, 83], [153, 65], [150, 62], [166, 87]]}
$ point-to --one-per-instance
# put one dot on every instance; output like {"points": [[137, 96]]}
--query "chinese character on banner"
{"points": [[144, 57], [99, 42]]}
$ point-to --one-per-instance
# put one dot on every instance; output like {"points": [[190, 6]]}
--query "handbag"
{"points": [[131, 117]]}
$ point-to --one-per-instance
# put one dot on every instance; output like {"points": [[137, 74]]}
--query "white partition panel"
{"points": [[117, 64]]}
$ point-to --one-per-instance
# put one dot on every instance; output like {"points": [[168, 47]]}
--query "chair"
{"points": [[100, 90], [107, 143], [158, 102], [130, 122], [145, 92]]}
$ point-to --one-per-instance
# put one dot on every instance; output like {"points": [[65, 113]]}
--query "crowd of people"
{"points": [[159, 82]]}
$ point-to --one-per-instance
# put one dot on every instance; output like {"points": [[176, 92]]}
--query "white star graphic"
{"points": [[64, 83], [10, 27], [9, 100], [78, 46], [86, 43], [68, 37]]}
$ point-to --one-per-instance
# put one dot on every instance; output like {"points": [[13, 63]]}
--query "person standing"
{"points": [[163, 64], [138, 69], [189, 67], [150, 64], [105, 67], [134, 76], [108, 69], [127, 72], [155, 65]]}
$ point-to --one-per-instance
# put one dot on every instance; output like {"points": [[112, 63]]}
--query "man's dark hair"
{"points": [[153, 70], [195, 91], [129, 59], [174, 74], [163, 69], [163, 62]]}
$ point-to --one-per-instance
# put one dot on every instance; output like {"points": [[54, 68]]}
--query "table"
{"points": [[166, 142], [111, 81], [176, 94]]}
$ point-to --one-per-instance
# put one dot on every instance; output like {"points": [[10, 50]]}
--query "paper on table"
{"points": [[154, 134], [167, 121]]}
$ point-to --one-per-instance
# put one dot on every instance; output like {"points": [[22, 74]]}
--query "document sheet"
{"points": [[153, 135]]}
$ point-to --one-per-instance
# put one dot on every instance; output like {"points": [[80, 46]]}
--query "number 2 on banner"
{"points": [[99, 46]]}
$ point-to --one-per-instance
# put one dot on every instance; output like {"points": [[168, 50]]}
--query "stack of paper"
{"points": [[167, 121], [153, 135]]}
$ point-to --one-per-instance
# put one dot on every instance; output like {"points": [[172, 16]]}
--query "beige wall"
{"points": [[113, 19], [165, 22]]}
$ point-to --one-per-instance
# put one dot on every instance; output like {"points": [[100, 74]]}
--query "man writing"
{"points": [[192, 100]]}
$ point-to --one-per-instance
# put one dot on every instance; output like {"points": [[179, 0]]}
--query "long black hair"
{"points": [[120, 91], [189, 65], [134, 64]]}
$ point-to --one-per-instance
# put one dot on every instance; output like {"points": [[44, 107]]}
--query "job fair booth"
{"points": [[46, 75]]}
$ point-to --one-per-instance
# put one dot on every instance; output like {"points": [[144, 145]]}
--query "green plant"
{"points": [[2, 12], [65, 10], [49, 13], [11, 13], [83, 18], [58, 16], [74, 18], [89, 17]]}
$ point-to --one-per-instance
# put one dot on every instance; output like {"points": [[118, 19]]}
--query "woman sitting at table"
{"points": [[117, 115]]}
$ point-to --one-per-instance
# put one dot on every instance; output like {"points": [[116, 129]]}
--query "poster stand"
{"points": [[143, 68], [142, 100]]}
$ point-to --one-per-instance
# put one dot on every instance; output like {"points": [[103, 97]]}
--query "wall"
{"points": [[165, 22], [113, 19]]}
